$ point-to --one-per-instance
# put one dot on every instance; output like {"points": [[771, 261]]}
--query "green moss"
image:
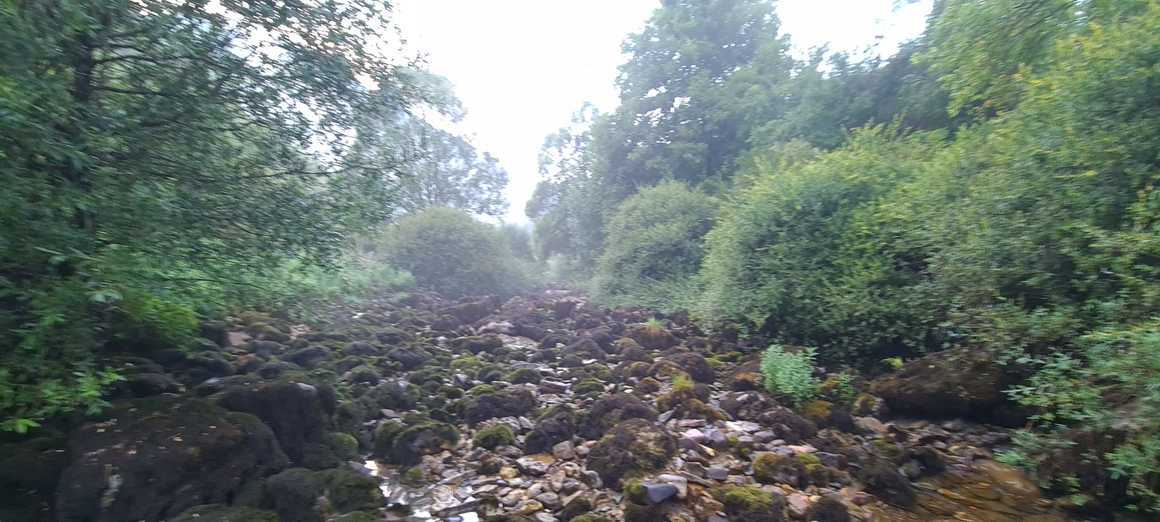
{"points": [[588, 386], [348, 490], [772, 468], [495, 436], [634, 491], [481, 389], [591, 517], [384, 438], [344, 445], [817, 411], [413, 476], [888, 449], [523, 376], [809, 459], [468, 364], [748, 503]]}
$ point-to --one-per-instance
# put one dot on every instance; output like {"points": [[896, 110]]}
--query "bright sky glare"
{"points": [[522, 67]]}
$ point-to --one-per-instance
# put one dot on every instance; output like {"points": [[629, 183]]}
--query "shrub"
{"points": [[796, 255], [789, 374], [1110, 387], [654, 247], [451, 253]]}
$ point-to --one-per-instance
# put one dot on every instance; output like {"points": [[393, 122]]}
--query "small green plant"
{"points": [[789, 374]]}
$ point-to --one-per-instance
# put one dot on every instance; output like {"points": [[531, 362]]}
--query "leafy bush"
{"points": [[795, 255], [789, 374], [451, 253], [654, 247], [1110, 387]]}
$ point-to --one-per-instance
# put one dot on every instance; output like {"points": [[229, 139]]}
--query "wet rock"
{"points": [[154, 458], [635, 445]]}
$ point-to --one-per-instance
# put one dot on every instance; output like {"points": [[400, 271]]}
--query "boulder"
{"points": [[612, 410], [223, 513], [508, 402], [299, 413], [653, 337], [409, 358], [302, 495], [633, 446], [960, 382], [155, 458], [556, 425]]}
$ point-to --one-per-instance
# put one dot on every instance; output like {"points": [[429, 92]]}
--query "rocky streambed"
{"points": [[541, 408]]}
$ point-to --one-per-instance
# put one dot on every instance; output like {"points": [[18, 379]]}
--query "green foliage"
{"points": [[796, 254], [654, 248], [451, 253], [1109, 387], [789, 374]]}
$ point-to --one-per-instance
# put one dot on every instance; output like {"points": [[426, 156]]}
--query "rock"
{"points": [[657, 493], [652, 337], [361, 349], [148, 385], [406, 444], [584, 349], [509, 402], [612, 410], [409, 358], [297, 412], [478, 344], [564, 451], [885, 482], [635, 445], [223, 513], [751, 504], [533, 466], [960, 382], [677, 481], [29, 473], [301, 495], [693, 364], [787, 425], [493, 437], [392, 336], [308, 357], [717, 473], [774, 468], [828, 509], [469, 312], [549, 500], [155, 458], [797, 504]]}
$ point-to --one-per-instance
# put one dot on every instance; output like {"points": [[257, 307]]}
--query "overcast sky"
{"points": [[522, 67]]}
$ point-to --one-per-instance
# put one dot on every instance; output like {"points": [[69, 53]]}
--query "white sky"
{"points": [[522, 67]]}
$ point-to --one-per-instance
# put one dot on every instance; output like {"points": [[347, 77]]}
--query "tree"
{"points": [[152, 147]]}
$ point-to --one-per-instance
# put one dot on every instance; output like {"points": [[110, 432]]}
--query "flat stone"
{"points": [[681, 483], [717, 473], [657, 493], [744, 426], [798, 504], [549, 500]]}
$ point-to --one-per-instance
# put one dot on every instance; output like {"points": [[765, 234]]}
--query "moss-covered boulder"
{"points": [[960, 382], [695, 365], [297, 411], [406, 443], [523, 376], [751, 504], [155, 458], [554, 426], [494, 436], [302, 495], [508, 402], [477, 344], [609, 411], [774, 468], [886, 482], [633, 446], [652, 336]]}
